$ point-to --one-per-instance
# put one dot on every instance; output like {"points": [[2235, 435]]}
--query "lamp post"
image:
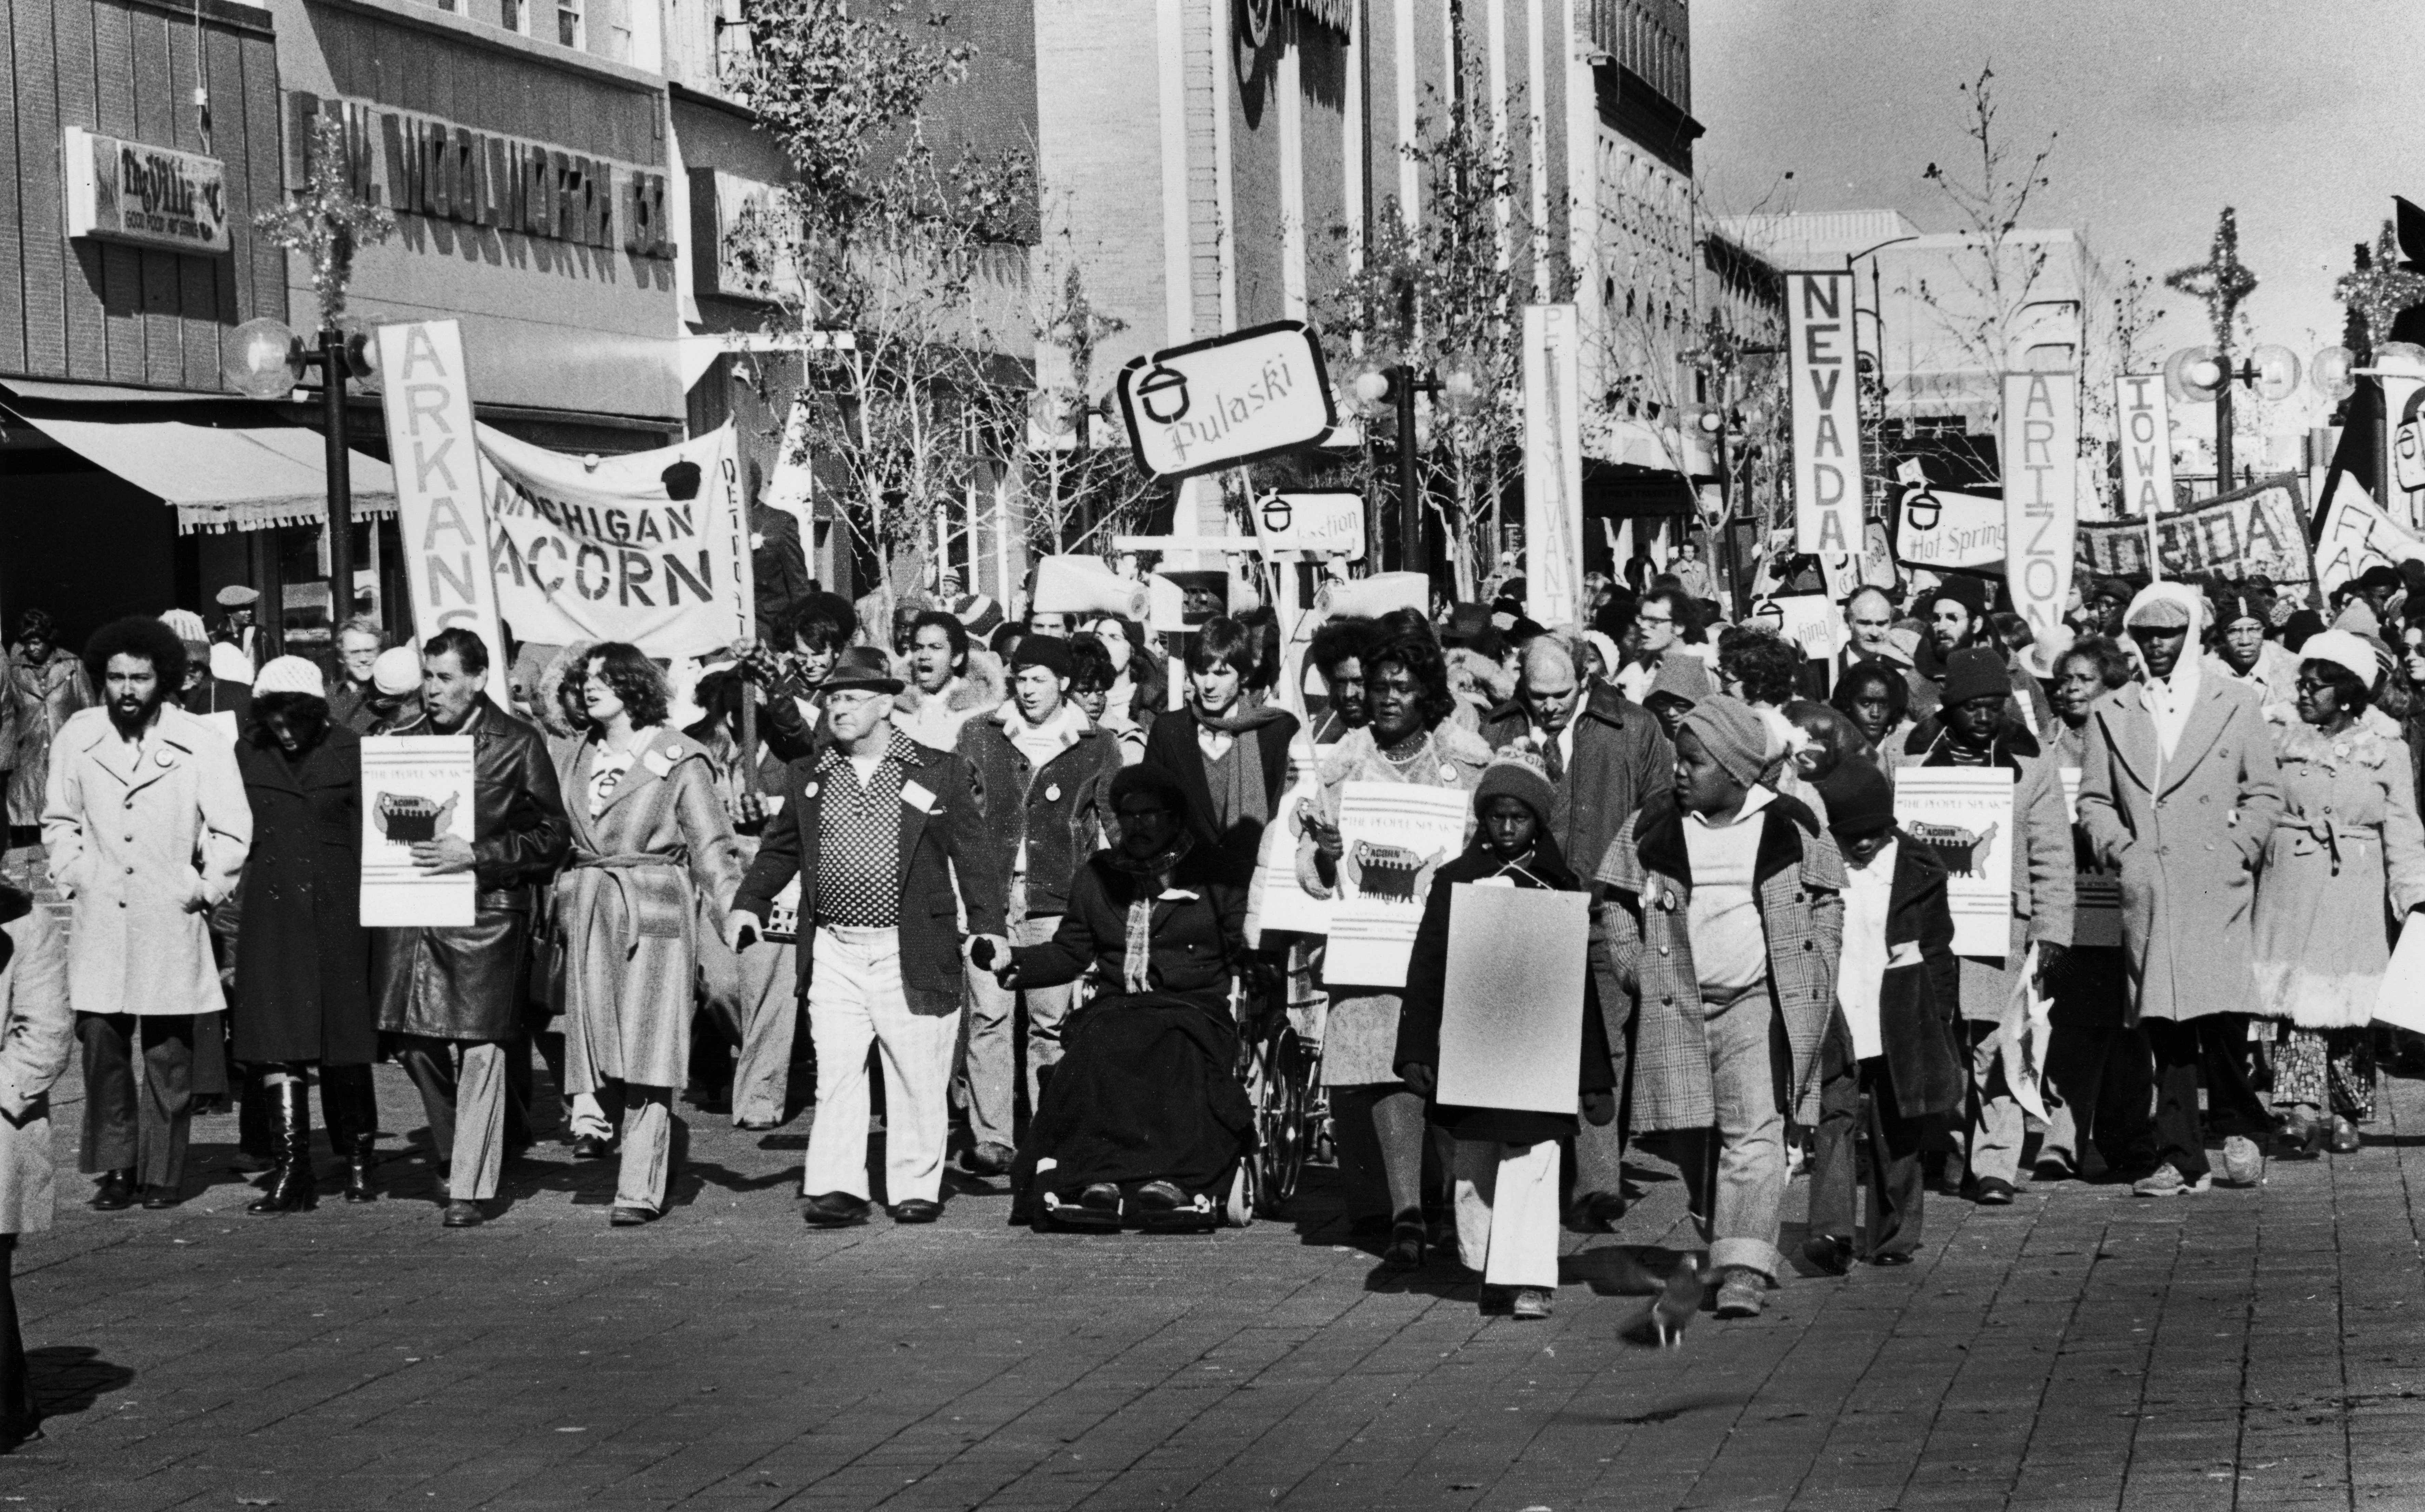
{"points": [[1395, 387]]}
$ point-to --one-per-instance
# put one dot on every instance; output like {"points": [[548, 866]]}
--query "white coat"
{"points": [[145, 839]]}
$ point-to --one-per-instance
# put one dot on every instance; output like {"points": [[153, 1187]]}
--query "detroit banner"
{"points": [[2261, 528], [651, 547]]}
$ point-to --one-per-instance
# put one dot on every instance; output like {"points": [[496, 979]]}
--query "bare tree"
{"points": [[1082, 487]]}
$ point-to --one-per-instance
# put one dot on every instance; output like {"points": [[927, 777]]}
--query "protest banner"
{"points": [[415, 788], [1942, 530], [1396, 837], [1554, 463], [1512, 997], [440, 507], [2357, 535], [2143, 414], [1251, 394], [2041, 452], [649, 547], [1277, 901], [1826, 412], [1964, 817], [1815, 621], [2261, 528]]}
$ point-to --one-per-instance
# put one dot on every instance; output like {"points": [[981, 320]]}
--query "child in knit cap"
{"points": [[1892, 1043], [1506, 1160], [1726, 916]]}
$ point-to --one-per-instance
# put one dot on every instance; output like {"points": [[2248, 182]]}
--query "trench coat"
{"points": [[2186, 838], [46, 694], [36, 1032], [2348, 842], [146, 839], [302, 959], [1798, 884], [628, 904]]}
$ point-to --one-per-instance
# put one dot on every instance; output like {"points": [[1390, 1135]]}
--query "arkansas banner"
{"points": [[652, 548]]}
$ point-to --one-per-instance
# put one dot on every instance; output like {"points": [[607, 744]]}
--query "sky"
{"points": [[2303, 116]]}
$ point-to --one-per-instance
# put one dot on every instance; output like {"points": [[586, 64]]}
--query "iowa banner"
{"points": [[650, 547], [2261, 528]]}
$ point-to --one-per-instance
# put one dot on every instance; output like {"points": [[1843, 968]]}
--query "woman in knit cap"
{"points": [[2348, 843], [1726, 917], [1505, 1161], [2177, 793], [302, 960]]}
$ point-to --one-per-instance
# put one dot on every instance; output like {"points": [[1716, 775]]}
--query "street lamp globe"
{"points": [[1461, 390], [1371, 390], [1710, 422], [262, 358], [2206, 373]]}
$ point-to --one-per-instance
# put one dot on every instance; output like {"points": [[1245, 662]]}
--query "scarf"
{"points": [[1236, 779], [1152, 875]]}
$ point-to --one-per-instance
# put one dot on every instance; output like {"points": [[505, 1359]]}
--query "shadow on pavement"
{"points": [[68, 1378]]}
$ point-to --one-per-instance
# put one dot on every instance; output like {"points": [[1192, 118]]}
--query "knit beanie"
{"points": [[1860, 801], [289, 674], [1974, 672], [1733, 734], [1047, 651], [398, 672], [1681, 675], [1520, 778]]}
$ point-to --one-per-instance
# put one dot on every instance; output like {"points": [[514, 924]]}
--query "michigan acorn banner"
{"points": [[2258, 529], [650, 547]]}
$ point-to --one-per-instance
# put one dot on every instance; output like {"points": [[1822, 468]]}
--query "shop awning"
{"points": [[221, 472]]}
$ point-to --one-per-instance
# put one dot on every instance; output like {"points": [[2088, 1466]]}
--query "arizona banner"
{"points": [[2261, 528], [652, 548]]}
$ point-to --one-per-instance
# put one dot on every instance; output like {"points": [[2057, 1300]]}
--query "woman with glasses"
{"points": [[2345, 862]]}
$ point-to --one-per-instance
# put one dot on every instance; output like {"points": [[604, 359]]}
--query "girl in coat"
{"points": [[649, 835], [1410, 739], [47, 682], [1893, 1045], [37, 1027], [1505, 1161], [2348, 842], [302, 966]]}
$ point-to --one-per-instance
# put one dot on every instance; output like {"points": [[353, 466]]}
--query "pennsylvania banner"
{"points": [[650, 547], [2261, 528]]}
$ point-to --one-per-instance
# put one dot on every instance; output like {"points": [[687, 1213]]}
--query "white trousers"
{"points": [[1507, 1212], [855, 1000]]}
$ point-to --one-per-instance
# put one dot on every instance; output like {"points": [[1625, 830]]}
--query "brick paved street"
{"points": [[2079, 1349]]}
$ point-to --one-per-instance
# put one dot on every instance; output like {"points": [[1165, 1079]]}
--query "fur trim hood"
{"points": [[549, 706]]}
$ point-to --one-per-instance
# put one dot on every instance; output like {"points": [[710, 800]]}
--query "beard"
{"points": [[130, 715]]}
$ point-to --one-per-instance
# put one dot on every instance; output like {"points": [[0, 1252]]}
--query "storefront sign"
{"points": [[125, 191], [1937, 528], [2261, 528], [2041, 449], [2144, 415], [1318, 525], [652, 548], [440, 512], [427, 167], [1237, 398], [1826, 412]]}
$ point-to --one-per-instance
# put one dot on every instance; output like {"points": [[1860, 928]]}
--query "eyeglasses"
{"points": [[1654, 620]]}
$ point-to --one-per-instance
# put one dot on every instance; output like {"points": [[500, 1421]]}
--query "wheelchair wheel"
{"points": [[1283, 1127]]}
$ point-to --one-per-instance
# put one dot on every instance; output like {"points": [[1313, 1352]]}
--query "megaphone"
{"points": [[2328, 373], [2277, 372], [2208, 365]]}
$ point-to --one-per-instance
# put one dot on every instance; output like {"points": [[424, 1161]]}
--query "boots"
{"points": [[291, 1185], [352, 1109]]}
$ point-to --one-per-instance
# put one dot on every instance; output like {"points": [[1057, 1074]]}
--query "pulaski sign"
{"points": [[125, 191]]}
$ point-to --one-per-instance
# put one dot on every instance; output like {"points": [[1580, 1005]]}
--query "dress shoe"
{"points": [[1161, 1197], [591, 1147], [1990, 1192], [1892, 1257], [2300, 1135], [1409, 1243], [1598, 1211], [990, 1159], [630, 1215], [463, 1213], [116, 1192], [158, 1198], [1830, 1252], [834, 1210], [916, 1210], [2345, 1140]]}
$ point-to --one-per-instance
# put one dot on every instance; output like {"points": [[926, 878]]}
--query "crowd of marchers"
{"points": [[1007, 866]]}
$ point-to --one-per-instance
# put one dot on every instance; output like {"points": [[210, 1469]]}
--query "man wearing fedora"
{"points": [[873, 826]]}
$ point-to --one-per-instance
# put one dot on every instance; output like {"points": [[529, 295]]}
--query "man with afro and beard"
{"points": [[147, 827]]}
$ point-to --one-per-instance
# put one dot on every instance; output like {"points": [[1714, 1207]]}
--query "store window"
{"points": [[568, 22]]}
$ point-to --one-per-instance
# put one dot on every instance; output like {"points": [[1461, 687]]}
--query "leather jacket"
{"points": [[518, 831]]}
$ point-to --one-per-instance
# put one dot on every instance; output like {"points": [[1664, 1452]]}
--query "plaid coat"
{"points": [[1798, 881]]}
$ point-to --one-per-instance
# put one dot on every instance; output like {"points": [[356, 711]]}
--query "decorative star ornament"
{"points": [[326, 222], [2380, 288]]}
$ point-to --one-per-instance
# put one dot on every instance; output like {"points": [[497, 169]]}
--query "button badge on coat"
{"points": [[1052, 793]]}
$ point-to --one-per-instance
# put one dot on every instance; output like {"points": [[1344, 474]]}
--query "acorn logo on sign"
{"points": [[1243, 398], [1277, 515]]}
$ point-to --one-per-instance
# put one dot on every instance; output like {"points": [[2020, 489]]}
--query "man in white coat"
{"points": [[147, 826]]}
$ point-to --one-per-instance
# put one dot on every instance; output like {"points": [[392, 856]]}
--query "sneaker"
{"points": [[2243, 1161], [1830, 1252], [2167, 1181], [1739, 1293], [1531, 1302]]}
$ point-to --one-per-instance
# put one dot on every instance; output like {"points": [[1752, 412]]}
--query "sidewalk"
{"points": [[2078, 1349]]}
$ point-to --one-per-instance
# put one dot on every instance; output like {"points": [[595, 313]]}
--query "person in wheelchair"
{"points": [[1144, 1116]]}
